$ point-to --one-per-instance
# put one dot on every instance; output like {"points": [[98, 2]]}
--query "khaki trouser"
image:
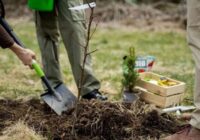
{"points": [[72, 27], [194, 42]]}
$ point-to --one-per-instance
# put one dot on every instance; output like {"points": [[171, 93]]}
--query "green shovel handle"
{"points": [[37, 69], [41, 74]]}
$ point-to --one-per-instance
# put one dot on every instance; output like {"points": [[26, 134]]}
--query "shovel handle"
{"points": [[41, 74], [37, 69]]}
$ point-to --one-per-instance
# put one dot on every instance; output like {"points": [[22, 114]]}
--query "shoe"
{"points": [[188, 133], [95, 94]]}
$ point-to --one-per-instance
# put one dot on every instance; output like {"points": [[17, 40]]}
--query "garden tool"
{"points": [[59, 99], [178, 108]]}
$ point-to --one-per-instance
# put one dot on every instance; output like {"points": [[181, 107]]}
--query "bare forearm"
{"points": [[25, 55], [16, 48]]}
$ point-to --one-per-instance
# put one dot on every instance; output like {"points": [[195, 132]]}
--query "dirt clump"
{"points": [[95, 120]]}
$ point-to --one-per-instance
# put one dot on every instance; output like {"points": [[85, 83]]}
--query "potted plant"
{"points": [[130, 77]]}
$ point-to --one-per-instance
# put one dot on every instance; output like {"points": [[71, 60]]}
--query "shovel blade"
{"points": [[67, 102]]}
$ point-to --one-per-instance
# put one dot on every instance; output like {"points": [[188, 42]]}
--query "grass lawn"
{"points": [[173, 59]]}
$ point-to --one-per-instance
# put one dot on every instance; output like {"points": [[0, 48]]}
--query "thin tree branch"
{"points": [[89, 53], [95, 28]]}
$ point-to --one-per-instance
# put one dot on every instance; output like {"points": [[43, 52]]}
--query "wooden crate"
{"points": [[161, 101], [160, 90]]}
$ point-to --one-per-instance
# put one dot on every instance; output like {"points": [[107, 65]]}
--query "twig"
{"points": [[86, 48], [95, 28], [89, 53]]}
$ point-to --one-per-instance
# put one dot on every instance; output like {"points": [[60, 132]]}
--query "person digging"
{"points": [[25, 55], [192, 131], [72, 27]]}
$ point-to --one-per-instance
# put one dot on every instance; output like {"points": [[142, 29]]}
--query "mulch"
{"points": [[93, 120]]}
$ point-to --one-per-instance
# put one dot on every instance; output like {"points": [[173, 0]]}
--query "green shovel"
{"points": [[41, 74], [60, 98]]}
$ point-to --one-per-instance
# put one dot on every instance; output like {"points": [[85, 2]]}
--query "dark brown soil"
{"points": [[96, 120]]}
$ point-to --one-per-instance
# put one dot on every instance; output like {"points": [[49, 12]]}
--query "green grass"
{"points": [[173, 59]]}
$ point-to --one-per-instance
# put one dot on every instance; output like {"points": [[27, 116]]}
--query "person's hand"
{"points": [[25, 55]]}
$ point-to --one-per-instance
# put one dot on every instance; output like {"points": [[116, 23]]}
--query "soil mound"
{"points": [[96, 120]]}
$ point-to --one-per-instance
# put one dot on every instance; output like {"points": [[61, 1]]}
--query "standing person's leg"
{"points": [[48, 38], [193, 31], [73, 32], [194, 42]]}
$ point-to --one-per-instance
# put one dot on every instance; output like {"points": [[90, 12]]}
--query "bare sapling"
{"points": [[86, 53]]}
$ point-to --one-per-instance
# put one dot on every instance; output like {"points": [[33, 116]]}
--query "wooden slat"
{"points": [[161, 101], [164, 91]]}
